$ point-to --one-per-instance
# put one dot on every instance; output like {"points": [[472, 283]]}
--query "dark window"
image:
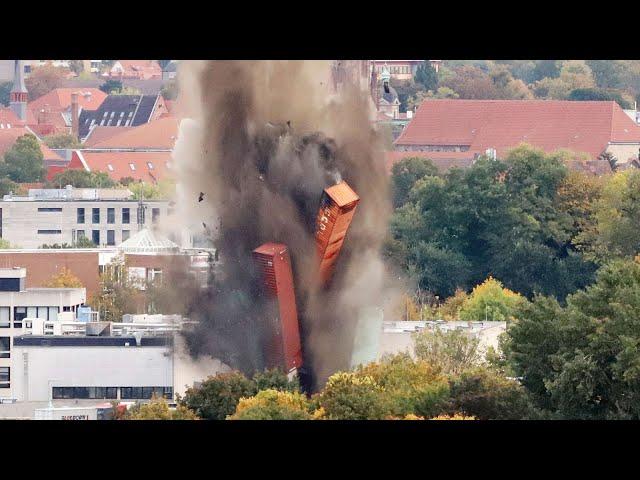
{"points": [[80, 234], [5, 347], [111, 215], [62, 392], [5, 377], [80, 215], [125, 235], [80, 392], [56, 209], [111, 237], [95, 215], [19, 313], [95, 236], [49, 232], [155, 214], [126, 216]]}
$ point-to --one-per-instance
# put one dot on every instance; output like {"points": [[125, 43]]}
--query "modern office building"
{"points": [[107, 217], [19, 306]]}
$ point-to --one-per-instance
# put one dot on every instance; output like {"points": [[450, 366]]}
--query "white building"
{"points": [[106, 216], [18, 309]]}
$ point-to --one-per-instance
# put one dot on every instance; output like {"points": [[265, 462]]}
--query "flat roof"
{"points": [[89, 341]]}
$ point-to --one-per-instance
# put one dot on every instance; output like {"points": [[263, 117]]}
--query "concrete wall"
{"points": [[21, 220], [88, 366]]}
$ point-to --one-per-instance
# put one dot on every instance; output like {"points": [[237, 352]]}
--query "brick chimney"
{"points": [[75, 125]]}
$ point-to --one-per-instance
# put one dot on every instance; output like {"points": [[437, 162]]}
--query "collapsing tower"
{"points": [[337, 207], [282, 346]]}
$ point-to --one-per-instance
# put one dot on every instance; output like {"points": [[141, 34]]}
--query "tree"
{"points": [[574, 74], [62, 140], [273, 404], [64, 279], [217, 397], [471, 83], [490, 301], [162, 190], [81, 179], [588, 94], [85, 242], [450, 309], [23, 162], [8, 186], [486, 395], [426, 76], [158, 409], [409, 387], [111, 86], [580, 361], [44, 79], [76, 66], [5, 90], [117, 294], [450, 351], [348, 396], [546, 68], [4, 244], [275, 379], [404, 175]]}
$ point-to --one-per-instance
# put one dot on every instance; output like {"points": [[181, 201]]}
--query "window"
{"points": [[95, 215], [125, 215], [5, 377], [155, 214], [138, 393], [80, 215], [56, 209], [126, 234], [49, 232], [19, 313], [53, 313], [132, 167], [111, 237], [95, 236], [80, 234], [5, 347], [4, 317], [111, 215]]}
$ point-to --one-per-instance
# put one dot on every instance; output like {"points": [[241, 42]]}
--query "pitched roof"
{"points": [[138, 68], [8, 118], [442, 160], [502, 124], [159, 134], [59, 99], [100, 134], [8, 137], [119, 110], [149, 167]]}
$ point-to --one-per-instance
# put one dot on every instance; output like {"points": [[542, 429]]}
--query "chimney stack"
{"points": [[75, 126]]}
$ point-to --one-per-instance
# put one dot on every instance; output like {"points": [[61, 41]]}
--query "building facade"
{"points": [[106, 217], [19, 306]]}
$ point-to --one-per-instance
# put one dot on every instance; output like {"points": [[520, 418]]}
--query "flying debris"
{"points": [[200, 197]]}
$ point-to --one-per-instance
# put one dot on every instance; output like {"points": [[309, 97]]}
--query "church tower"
{"points": [[19, 95]]}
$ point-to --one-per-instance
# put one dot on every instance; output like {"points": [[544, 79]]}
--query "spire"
{"points": [[18, 96]]}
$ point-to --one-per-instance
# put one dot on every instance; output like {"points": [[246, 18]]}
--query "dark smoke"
{"points": [[262, 140]]}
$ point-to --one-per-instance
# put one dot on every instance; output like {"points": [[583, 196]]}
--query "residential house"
{"points": [[137, 69]]}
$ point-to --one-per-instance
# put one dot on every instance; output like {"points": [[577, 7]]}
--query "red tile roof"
{"points": [[59, 99], [158, 134], [117, 164], [99, 134], [442, 160], [9, 118], [144, 69], [503, 124], [8, 137]]}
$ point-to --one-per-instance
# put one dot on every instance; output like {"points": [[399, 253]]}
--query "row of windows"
{"points": [[5, 377], [111, 236], [111, 393], [111, 215], [20, 313], [395, 69]]}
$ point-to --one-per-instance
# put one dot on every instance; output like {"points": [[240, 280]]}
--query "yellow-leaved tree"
{"points": [[273, 404], [64, 279], [490, 301]]}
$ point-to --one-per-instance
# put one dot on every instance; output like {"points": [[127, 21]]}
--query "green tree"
{"points": [[217, 397], [451, 351], [23, 162], [81, 179], [162, 190], [8, 186], [76, 66], [589, 94], [426, 76], [273, 404], [404, 175], [348, 396], [117, 294], [546, 68], [111, 86], [581, 361], [85, 242], [158, 409], [4, 244], [487, 395], [62, 140], [5, 90], [275, 379]]}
